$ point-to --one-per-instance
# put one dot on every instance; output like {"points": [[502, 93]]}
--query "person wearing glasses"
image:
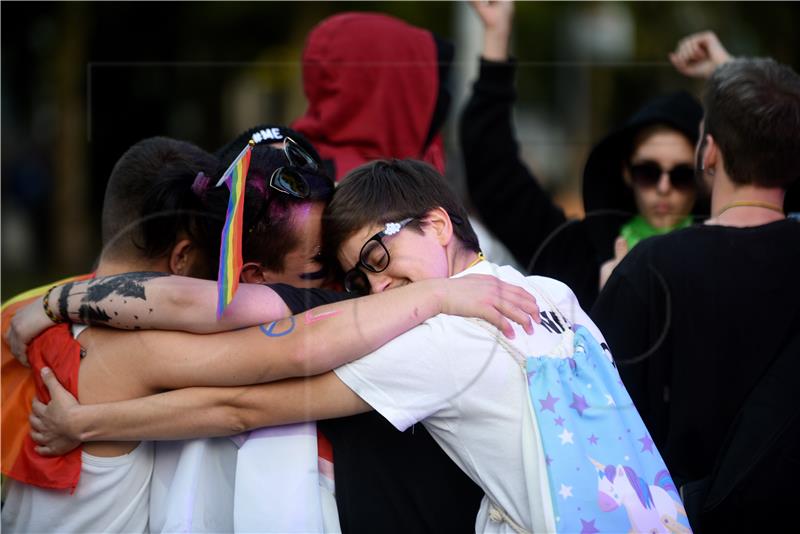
{"points": [[638, 180], [385, 480], [448, 373], [120, 365]]}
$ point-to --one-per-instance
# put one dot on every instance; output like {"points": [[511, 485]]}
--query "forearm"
{"points": [[135, 301], [302, 345], [180, 414], [332, 335], [496, 41], [501, 186], [208, 412]]}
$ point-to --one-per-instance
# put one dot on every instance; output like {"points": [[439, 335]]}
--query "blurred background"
{"points": [[81, 82]]}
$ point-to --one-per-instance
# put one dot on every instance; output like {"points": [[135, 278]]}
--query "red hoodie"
{"points": [[372, 84]]}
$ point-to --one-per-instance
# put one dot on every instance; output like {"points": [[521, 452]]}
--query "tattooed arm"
{"points": [[146, 300], [308, 344]]}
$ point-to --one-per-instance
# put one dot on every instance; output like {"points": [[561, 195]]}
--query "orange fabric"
{"points": [[57, 349], [16, 394]]}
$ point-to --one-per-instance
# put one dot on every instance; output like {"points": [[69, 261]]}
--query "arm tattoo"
{"points": [[62, 301], [128, 285], [269, 330]]}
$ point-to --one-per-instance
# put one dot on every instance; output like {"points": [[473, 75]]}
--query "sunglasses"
{"points": [[294, 179], [648, 173], [303, 178], [374, 257]]}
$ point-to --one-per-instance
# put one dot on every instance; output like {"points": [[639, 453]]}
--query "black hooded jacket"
{"points": [[515, 207]]}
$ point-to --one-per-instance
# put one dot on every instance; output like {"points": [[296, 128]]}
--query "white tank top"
{"points": [[112, 495]]}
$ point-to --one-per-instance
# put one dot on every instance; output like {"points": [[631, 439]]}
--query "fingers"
{"points": [[518, 316], [45, 450], [36, 422], [620, 248], [38, 437], [38, 407], [18, 348], [52, 384], [499, 321]]}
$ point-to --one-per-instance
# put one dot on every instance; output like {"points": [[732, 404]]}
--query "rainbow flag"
{"points": [[19, 387], [230, 250]]}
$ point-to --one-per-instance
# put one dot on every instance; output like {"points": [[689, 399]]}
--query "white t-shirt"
{"points": [[471, 395]]}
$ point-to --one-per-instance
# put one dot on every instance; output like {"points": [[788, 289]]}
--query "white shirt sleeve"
{"points": [[567, 303], [406, 380]]}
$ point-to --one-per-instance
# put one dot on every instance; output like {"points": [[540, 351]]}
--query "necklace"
{"points": [[477, 260], [751, 203]]}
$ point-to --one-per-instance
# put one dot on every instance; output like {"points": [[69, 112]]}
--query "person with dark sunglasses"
{"points": [[637, 182]]}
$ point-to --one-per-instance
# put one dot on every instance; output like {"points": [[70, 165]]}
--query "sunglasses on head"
{"points": [[303, 178], [648, 174], [294, 179]]}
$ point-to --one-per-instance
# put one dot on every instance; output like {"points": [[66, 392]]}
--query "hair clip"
{"points": [[391, 228], [200, 184]]}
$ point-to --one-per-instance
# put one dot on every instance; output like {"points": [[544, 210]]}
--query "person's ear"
{"points": [[183, 257], [710, 156], [626, 176], [438, 221], [252, 273]]}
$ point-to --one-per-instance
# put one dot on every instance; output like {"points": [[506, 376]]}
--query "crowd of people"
{"points": [[375, 370]]}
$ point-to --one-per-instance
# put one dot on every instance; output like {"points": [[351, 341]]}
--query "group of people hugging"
{"points": [[634, 370]]}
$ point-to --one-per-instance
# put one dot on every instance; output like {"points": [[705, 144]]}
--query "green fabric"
{"points": [[638, 228]]}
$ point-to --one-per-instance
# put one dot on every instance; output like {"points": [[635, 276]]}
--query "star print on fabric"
{"points": [[530, 375], [593, 439], [549, 403], [587, 527], [566, 437], [548, 460], [610, 400], [559, 421], [579, 403], [647, 443], [565, 491]]}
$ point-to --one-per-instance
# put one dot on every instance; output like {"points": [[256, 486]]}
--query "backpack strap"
{"points": [[564, 349], [498, 515]]}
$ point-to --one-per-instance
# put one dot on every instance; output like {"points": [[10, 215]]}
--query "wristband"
{"points": [[46, 306]]}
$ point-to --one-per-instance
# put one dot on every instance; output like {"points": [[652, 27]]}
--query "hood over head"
{"points": [[607, 200], [373, 89]]}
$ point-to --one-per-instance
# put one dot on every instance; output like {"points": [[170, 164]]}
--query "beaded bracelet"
{"points": [[46, 306]]}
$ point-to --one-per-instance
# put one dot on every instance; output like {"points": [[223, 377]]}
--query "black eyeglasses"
{"points": [[294, 179], [374, 257], [648, 174]]}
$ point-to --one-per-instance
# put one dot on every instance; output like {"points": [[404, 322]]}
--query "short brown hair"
{"points": [[390, 190], [752, 110]]}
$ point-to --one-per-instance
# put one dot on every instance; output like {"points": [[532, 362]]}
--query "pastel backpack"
{"points": [[604, 472]]}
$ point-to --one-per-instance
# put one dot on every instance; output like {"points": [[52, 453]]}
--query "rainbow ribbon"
{"points": [[230, 250]]}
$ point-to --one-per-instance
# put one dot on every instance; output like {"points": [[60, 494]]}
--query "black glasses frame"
{"points": [[648, 174], [355, 280]]}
